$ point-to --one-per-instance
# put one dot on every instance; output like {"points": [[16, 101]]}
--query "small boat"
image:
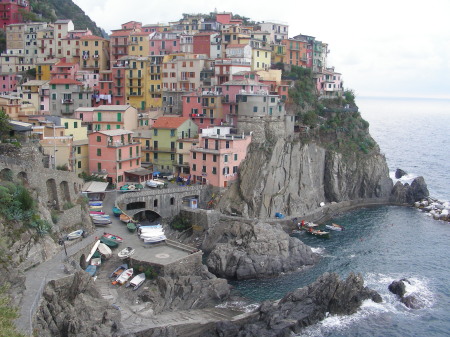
{"points": [[100, 216], [104, 250], [311, 225], [75, 235], [319, 233], [96, 261], [95, 203], [151, 226], [119, 270], [136, 281], [131, 227], [108, 242], [116, 211], [139, 186], [95, 208], [335, 227], [113, 237], [91, 270], [126, 252], [125, 218], [93, 250], [124, 277], [97, 212], [101, 222], [151, 235], [155, 239]]}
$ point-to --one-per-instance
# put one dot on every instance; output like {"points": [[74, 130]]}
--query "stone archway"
{"points": [[147, 216], [65, 192], [6, 175], [52, 194], [23, 177]]}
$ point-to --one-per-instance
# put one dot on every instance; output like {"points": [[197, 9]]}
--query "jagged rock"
{"points": [[187, 292], [72, 306], [399, 173], [301, 308], [398, 288], [409, 194], [258, 250], [412, 302]]}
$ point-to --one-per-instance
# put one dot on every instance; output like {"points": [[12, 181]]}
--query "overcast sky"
{"points": [[383, 48]]}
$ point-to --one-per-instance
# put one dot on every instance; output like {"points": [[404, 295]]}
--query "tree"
{"points": [[4, 125]]}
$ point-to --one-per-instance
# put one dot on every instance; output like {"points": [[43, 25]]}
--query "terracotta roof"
{"points": [[65, 81], [121, 33], [169, 122]]}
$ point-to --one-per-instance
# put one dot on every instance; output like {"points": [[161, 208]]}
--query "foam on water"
{"points": [[239, 305], [318, 250], [406, 179]]}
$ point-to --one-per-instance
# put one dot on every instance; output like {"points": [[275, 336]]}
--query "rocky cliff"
{"points": [[301, 308], [293, 177], [74, 307], [257, 250]]}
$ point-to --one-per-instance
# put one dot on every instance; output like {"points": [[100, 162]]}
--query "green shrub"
{"points": [[68, 205], [8, 314], [180, 224]]}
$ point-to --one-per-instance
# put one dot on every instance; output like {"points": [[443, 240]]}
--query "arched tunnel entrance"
{"points": [[148, 217]]}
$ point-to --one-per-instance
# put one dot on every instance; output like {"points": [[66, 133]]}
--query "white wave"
{"points": [[318, 250], [406, 179]]}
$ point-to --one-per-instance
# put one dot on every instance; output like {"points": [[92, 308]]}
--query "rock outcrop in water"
{"points": [[301, 308], [294, 178], [73, 306], [258, 250], [399, 288], [409, 194]]}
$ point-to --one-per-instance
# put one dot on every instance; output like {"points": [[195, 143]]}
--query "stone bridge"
{"points": [[165, 202]]}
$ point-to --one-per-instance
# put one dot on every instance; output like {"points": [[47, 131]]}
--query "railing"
{"points": [[67, 101], [162, 149]]}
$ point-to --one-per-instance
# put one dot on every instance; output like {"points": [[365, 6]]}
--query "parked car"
{"points": [[155, 183]]}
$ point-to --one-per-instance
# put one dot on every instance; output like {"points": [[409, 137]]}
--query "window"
{"points": [[194, 167], [120, 166], [235, 169], [155, 132], [255, 109], [172, 133], [214, 158], [99, 139], [155, 156], [79, 150], [203, 169], [79, 164], [227, 144], [235, 156], [172, 201], [204, 156], [99, 152], [155, 203], [180, 146], [99, 167], [225, 158], [66, 125], [214, 170], [194, 155], [53, 96]]}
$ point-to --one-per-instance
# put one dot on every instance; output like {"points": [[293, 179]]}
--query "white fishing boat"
{"points": [[105, 250], [124, 277], [126, 252], [75, 235], [335, 227], [101, 222], [155, 239], [94, 248], [136, 281]]}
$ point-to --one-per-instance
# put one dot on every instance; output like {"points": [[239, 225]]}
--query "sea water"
{"points": [[388, 243]]}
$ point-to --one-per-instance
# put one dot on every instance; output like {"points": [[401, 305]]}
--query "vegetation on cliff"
{"points": [[336, 122], [52, 10], [7, 316]]}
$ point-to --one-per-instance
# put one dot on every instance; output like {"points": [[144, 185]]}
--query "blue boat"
{"points": [[116, 211], [95, 203], [91, 270]]}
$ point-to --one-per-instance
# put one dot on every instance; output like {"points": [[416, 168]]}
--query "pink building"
{"points": [[164, 43], [115, 154], [232, 89], [64, 70], [8, 82], [204, 108], [329, 83], [217, 158]]}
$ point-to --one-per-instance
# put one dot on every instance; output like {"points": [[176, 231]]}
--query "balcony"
{"points": [[162, 149], [129, 158], [135, 94], [180, 164], [67, 101], [67, 112], [120, 144]]}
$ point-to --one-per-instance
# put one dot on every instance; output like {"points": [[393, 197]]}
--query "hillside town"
{"points": [[183, 99]]}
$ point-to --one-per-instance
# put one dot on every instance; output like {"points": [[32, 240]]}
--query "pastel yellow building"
{"points": [[139, 44], [44, 68], [94, 53]]}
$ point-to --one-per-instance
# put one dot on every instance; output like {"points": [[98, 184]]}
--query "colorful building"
{"points": [[204, 108], [113, 153], [216, 159], [11, 11], [166, 132], [94, 53], [108, 117]]}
